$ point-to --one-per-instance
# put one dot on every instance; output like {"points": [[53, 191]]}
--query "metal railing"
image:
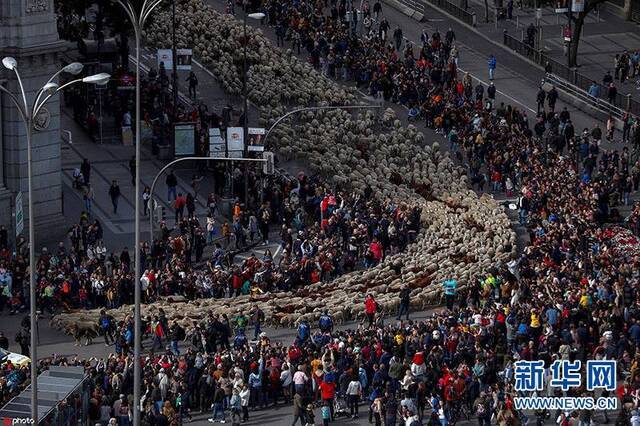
{"points": [[468, 17], [571, 75], [416, 5], [583, 96]]}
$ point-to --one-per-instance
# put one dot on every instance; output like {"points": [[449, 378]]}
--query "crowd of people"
{"points": [[571, 294]]}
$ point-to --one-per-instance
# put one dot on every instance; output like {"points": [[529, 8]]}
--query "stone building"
{"points": [[28, 33]]}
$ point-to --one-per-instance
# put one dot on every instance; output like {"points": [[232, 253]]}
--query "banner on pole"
{"points": [[256, 139], [185, 139], [217, 144], [165, 56], [235, 142], [184, 58]]}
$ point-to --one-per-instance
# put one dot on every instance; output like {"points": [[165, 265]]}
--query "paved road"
{"points": [[605, 34]]}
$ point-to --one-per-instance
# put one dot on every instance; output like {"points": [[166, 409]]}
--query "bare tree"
{"points": [[577, 29], [627, 9]]}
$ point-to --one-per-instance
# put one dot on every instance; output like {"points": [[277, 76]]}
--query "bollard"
{"points": [[628, 102]]}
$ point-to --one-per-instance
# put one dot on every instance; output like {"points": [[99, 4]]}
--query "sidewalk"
{"points": [[605, 33], [111, 162]]}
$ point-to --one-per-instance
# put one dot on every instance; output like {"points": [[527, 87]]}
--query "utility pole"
{"points": [[245, 112], [570, 32], [175, 69]]}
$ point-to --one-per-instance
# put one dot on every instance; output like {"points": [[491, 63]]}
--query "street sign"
{"points": [[256, 139], [217, 145], [235, 142], [268, 168], [184, 135], [562, 6], [19, 214], [577, 6], [184, 57], [166, 56]]}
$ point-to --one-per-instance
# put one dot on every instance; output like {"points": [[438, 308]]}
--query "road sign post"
{"points": [[268, 167]]}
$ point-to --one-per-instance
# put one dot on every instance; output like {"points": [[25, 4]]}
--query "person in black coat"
{"points": [[552, 98], [540, 98], [405, 292], [4, 342], [85, 169]]}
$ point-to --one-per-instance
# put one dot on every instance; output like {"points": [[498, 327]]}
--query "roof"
{"points": [[54, 385]]}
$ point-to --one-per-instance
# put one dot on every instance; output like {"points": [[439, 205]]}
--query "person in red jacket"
{"points": [[179, 204], [328, 393], [377, 250], [370, 308]]}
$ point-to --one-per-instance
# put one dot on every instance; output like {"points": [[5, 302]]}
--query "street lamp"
{"points": [[28, 115], [137, 21], [245, 125]]}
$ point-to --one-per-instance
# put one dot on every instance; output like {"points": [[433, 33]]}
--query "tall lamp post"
{"points": [[245, 125], [137, 21], [28, 114]]}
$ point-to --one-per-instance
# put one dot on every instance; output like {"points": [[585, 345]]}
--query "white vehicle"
{"points": [[16, 359]]}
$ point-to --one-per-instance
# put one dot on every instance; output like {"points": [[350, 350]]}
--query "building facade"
{"points": [[28, 33]]}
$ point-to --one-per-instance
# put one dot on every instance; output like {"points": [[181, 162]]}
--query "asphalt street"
{"points": [[516, 81]]}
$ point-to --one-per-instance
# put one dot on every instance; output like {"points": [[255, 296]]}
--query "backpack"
{"points": [[303, 331], [106, 323], [325, 322]]}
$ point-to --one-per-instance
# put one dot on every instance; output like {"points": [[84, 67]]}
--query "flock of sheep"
{"points": [[463, 235]]}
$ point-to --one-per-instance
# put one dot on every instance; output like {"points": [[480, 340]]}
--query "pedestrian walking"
{"points": [[540, 98], [491, 93], [193, 84], [132, 169], [611, 127], [88, 197], [492, 64], [179, 205], [397, 37], [114, 194], [146, 196], [612, 92], [85, 169], [298, 410], [377, 10], [172, 184], [450, 292], [370, 309], [552, 98], [403, 308]]}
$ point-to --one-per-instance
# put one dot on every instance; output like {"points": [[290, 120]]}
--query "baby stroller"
{"points": [[340, 407]]}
